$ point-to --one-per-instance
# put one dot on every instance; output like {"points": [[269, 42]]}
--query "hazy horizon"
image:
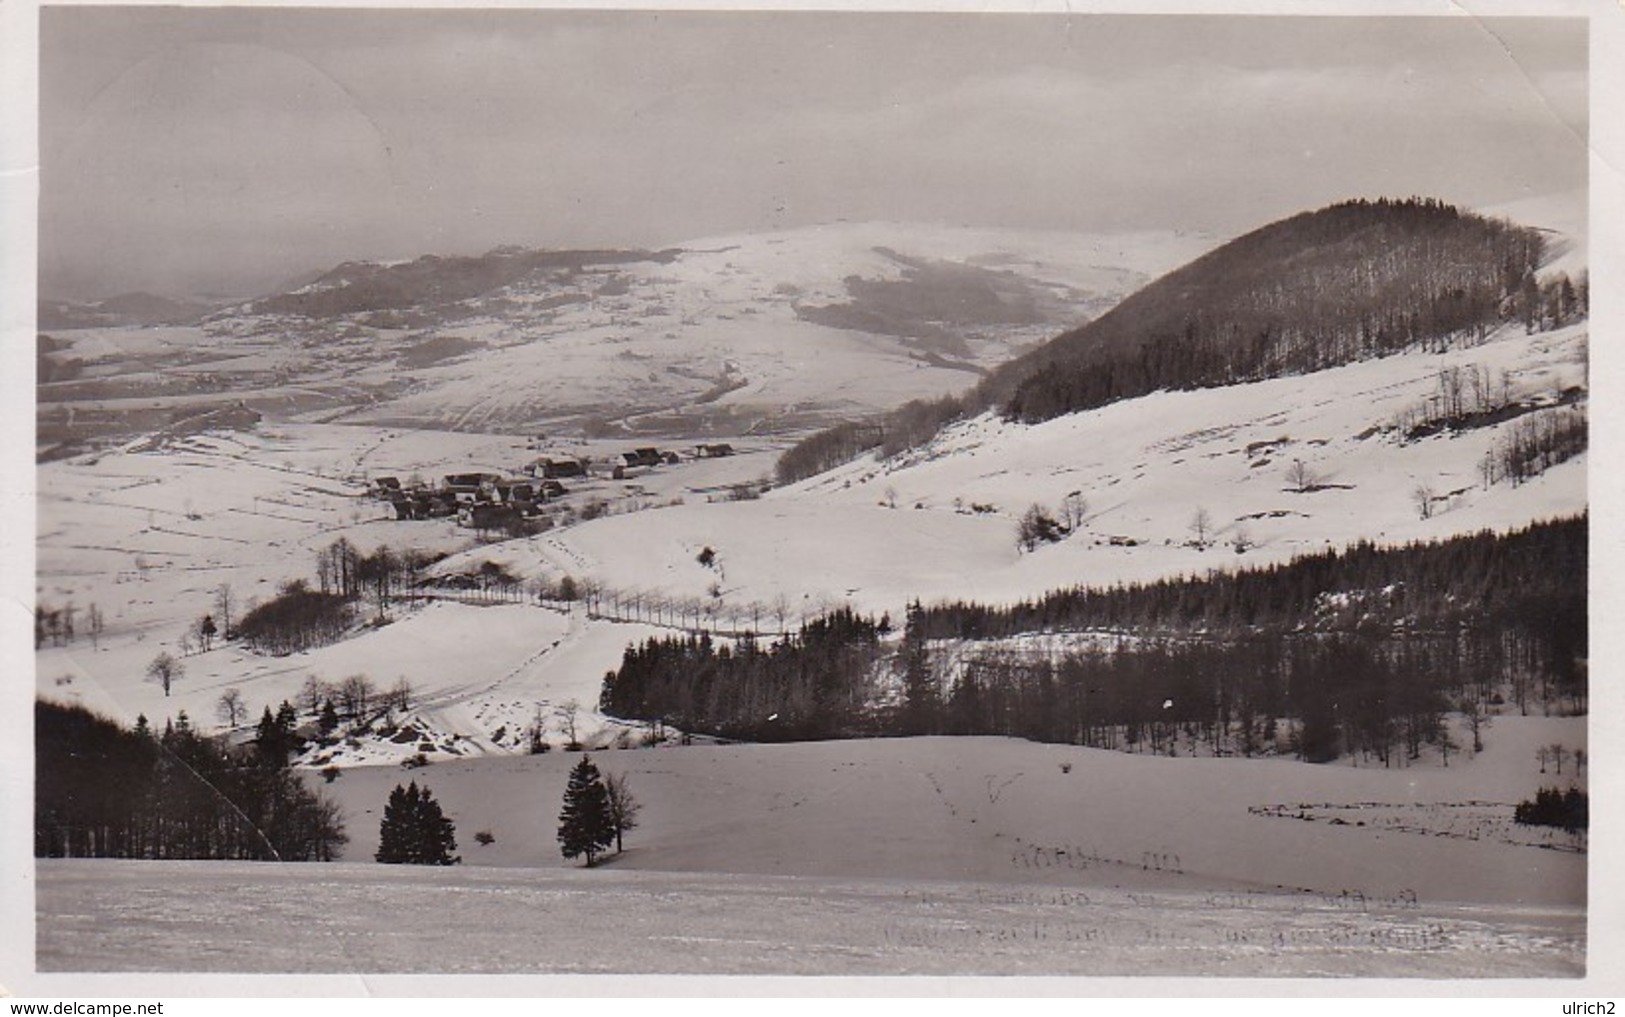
{"points": [[224, 151]]}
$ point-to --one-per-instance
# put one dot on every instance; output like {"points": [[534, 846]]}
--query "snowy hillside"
{"points": [[150, 534], [941, 521], [1562, 217], [766, 332]]}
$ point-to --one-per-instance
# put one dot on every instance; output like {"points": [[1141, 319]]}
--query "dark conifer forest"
{"points": [[1349, 282], [105, 791], [1358, 653], [815, 684]]}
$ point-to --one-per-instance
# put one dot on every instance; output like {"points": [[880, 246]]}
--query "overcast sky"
{"points": [[220, 151]]}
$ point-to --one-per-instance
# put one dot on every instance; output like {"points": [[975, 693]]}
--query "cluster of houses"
{"points": [[480, 500], [489, 500], [643, 458]]}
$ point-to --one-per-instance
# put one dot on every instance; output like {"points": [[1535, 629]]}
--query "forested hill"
{"points": [[1347, 282], [1533, 579], [1363, 650]]}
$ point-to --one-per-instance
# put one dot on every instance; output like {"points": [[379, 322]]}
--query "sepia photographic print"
{"points": [[663, 492]]}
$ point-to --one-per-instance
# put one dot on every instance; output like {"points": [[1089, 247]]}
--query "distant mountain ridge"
{"points": [[127, 309], [744, 333], [433, 280]]}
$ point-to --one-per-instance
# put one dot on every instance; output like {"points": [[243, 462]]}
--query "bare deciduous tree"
{"points": [[1201, 526], [1301, 476], [1423, 497], [165, 670], [1477, 714], [623, 807], [95, 622], [1073, 509], [400, 695], [230, 708], [1035, 527], [566, 712], [1242, 540], [223, 601], [312, 694], [355, 695]]}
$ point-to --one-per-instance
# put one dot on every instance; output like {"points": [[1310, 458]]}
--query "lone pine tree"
{"points": [[586, 823], [414, 831], [921, 698]]}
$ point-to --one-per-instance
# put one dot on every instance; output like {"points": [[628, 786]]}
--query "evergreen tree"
{"points": [[287, 719], [329, 720], [921, 698], [414, 831], [269, 740], [275, 735], [586, 825]]}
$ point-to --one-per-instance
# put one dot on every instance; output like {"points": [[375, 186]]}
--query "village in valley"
{"points": [[492, 501]]}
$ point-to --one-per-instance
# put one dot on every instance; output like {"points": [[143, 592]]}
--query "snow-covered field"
{"points": [[354, 918], [902, 856]]}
